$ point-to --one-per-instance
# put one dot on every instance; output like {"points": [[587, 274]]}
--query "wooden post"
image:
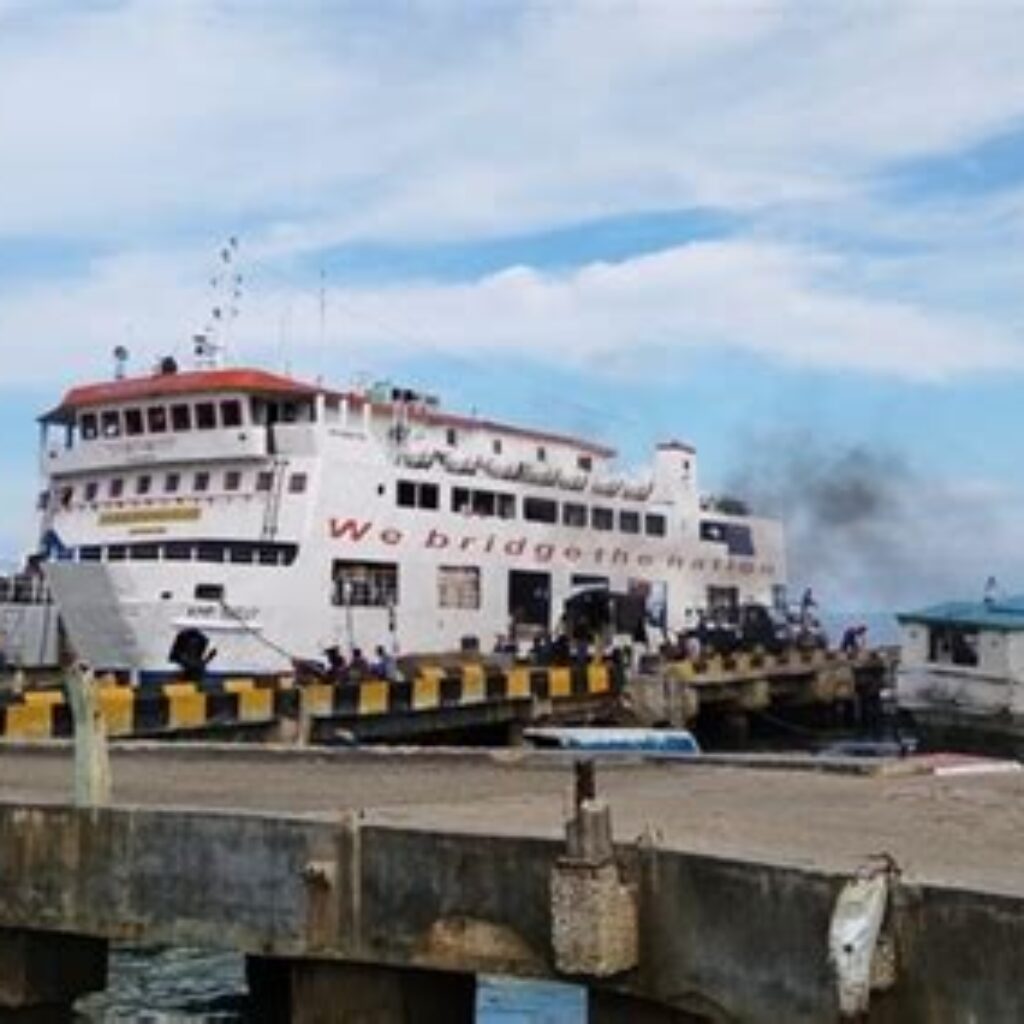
{"points": [[92, 758]]}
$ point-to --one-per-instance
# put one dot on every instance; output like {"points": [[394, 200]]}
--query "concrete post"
{"points": [[593, 915], [92, 758]]}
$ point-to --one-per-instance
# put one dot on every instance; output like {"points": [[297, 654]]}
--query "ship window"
{"points": [[91, 490], [602, 518], [540, 510], [67, 494], [232, 480], [452, 437], [460, 499], [736, 536], [542, 454], [458, 586], [297, 483], [201, 482], [953, 645], [584, 462], [178, 551], [506, 506], [241, 554], [206, 416], [629, 522], [412, 494], [365, 584], [143, 483], [209, 592], [111, 424], [264, 481], [483, 503], [117, 553], [654, 525], [156, 419], [171, 483], [88, 426], [429, 496], [231, 413], [712, 531], [181, 418], [90, 553], [573, 514], [43, 501], [133, 422], [116, 487], [209, 552], [145, 552], [496, 446]]}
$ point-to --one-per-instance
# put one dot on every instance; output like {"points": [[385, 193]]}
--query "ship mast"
{"points": [[209, 346]]}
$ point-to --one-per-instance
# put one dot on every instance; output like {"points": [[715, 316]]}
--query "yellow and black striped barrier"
{"points": [[146, 710], [436, 689], [744, 663], [187, 707]]}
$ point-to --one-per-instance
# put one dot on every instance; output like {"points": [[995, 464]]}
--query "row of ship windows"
{"points": [[159, 419], [173, 483], [502, 505], [214, 551]]}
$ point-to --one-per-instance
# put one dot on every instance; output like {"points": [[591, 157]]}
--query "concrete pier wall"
{"points": [[727, 939]]}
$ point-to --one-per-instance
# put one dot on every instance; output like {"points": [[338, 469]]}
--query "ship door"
{"points": [[529, 598], [723, 603]]}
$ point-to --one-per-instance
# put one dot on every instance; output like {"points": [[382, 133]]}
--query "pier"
{"points": [[363, 883]]}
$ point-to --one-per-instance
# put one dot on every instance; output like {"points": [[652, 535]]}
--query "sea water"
{"points": [[191, 986]]}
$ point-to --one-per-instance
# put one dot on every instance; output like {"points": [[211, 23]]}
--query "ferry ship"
{"points": [[279, 519]]}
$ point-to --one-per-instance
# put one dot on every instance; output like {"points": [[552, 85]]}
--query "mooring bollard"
{"points": [[92, 758]]}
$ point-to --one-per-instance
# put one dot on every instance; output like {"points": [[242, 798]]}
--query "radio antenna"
{"points": [[226, 282]]}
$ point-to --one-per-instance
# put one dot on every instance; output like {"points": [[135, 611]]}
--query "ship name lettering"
{"points": [[544, 552], [349, 528]]}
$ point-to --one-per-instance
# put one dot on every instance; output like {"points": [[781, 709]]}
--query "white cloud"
{"points": [[780, 303], [336, 122]]}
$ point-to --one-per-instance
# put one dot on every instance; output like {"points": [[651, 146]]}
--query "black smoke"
{"points": [[868, 531]]}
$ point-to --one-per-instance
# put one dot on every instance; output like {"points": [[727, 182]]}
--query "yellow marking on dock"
{"points": [[426, 690], [239, 685], [186, 706], [474, 684], [597, 679], [318, 699], [29, 722], [518, 683], [117, 704], [559, 682], [255, 704], [373, 698], [43, 698]]}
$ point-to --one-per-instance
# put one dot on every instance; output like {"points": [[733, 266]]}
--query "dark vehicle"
{"points": [[597, 613], [757, 627]]}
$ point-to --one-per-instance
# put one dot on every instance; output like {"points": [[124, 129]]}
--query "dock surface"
{"points": [[963, 831]]}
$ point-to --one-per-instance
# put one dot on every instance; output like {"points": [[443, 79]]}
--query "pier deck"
{"points": [[963, 830], [442, 860]]}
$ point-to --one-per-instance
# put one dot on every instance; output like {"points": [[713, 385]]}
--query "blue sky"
{"points": [[786, 233]]}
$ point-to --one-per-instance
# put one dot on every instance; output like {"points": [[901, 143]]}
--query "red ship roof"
{"points": [[164, 385], [260, 382]]}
